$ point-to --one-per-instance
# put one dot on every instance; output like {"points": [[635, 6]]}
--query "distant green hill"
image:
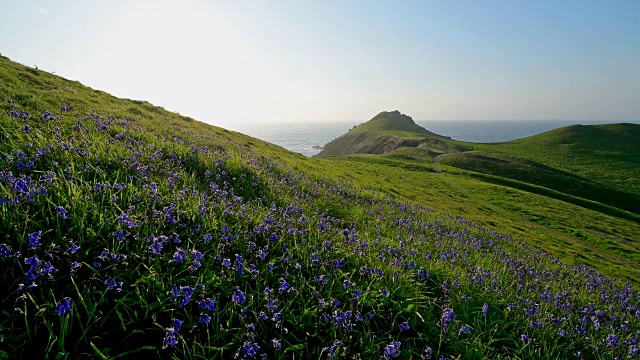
{"points": [[394, 123], [387, 132], [607, 154]]}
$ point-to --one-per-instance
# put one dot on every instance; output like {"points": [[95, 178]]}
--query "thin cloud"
{"points": [[41, 10]]}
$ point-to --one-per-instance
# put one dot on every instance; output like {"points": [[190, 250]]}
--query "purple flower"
{"points": [[170, 334], [238, 297], [448, 316], [20, 186], [239, 265], [188, 292], [63, 307], [464, 329], [250, 349], [392, 350], [111, 284], [485, 309], [284, 286], [179, 255], [208, 304], [404, 326], [118, 234], [525, 338], [72, 249], [276, 344], [174, 293], [125, 220], [613, 341], [204, 318], [34, 240]]}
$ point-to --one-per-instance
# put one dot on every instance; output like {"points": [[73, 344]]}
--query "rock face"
{"points": [[386, 132]]}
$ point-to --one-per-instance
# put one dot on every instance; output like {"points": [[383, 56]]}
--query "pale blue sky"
{"points": [[226, 62]]}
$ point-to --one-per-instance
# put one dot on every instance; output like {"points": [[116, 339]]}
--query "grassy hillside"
{"points": [[605, 154], [387, 132], [524, 170], [132, 231]]}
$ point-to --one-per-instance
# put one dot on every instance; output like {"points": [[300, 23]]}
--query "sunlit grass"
{"points": [[132, 231]]}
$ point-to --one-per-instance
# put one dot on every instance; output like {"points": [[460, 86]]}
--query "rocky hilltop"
{"points": [[384, 133]]}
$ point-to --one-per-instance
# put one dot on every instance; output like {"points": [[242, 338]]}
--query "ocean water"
{"points": [[303, 136]]}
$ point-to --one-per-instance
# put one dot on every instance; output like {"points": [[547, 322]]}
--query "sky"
{"points": [[257, 62]]}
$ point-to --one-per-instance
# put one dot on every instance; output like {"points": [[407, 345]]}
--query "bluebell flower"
{"points": [[284, 286], [404, 326], [188, 292], [34, 240], [276, 344], [207, 304], [448, 316], [250, 349], [21, 186], [63, 307], [170, 334], [111, 284], [174, 293], [239, 265], [179, 255], [613, 341], [464, 329], [72, 249], [75, 265], [204, 318], [392, 350], [485, 309], [534, 325], [238, 297]]}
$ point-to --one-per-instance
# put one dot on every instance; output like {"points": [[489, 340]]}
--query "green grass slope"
{"points": [[605, 154], [129, 231], [527, 171], [575, 229]]}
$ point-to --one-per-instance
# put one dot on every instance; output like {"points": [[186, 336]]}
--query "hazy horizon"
{"points": [[233, 62]]}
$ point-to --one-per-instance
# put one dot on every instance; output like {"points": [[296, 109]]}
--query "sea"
{"points": [[301, 137]]}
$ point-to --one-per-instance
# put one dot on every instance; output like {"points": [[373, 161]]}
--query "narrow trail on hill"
{"points": [[436, 163]]}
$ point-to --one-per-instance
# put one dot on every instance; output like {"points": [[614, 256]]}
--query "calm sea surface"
{"points": [[301, 137]]}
